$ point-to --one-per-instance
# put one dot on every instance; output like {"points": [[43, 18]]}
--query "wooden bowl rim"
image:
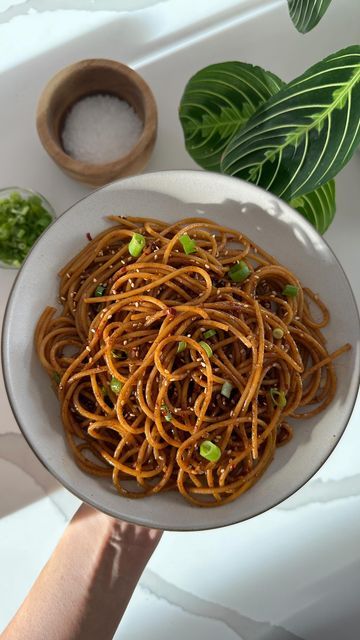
{"points": [[56, 151]]}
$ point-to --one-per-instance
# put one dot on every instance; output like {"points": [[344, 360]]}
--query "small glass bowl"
{"points": [[25, 193]]}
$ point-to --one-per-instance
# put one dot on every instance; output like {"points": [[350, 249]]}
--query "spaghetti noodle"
{"points": [[180, 355]]}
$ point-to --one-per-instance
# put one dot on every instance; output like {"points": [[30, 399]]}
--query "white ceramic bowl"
{"points": [[170, 196]]}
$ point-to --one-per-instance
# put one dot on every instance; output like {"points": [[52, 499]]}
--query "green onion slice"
{"points": [[99, 291], [181, 346], [210, 451], [210, 333], [56, 377], [290, 290], [22, 220], [278, 397], [226, 389], [187, 244], [239, 272], [116, 385], [208, 350], [119, 354], [165, 409], [278, 333], [136, 245]]}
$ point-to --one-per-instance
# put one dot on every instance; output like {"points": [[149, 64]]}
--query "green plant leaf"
{"points": [[305, 14], [318, 206], [217, 102], [305, 134]]}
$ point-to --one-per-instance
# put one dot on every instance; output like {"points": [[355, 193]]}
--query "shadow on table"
{"points": [[334, 612], [23, 478]]}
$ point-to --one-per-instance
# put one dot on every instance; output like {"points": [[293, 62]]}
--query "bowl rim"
{"points": [[138, 520], [56, 151]]}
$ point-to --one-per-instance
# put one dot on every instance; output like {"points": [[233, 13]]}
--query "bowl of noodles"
{"points": [[177, 352]]}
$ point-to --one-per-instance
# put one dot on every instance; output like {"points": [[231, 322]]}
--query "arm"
{"points": [[85, 587]]}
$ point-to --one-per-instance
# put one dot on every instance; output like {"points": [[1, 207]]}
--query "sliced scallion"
{"points": [[209, 334], [116, 385], [181, 346], [226, 389], [187, 244], [22, 220], [167, 413], [208, 350], [119, 354], [136, 245], [56, 377], [278, 333], [210, 451], [290, 290], [239, 272], [278, 397], [99, 291]]}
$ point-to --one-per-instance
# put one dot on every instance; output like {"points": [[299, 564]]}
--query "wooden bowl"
{"points": [[89, 77]]}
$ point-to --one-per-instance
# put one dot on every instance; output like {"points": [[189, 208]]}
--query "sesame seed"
{"points": [[87, 348], [94, 280], [68, 275]]}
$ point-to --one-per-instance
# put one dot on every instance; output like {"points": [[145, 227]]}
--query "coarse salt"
{"points": [[100, 129]]}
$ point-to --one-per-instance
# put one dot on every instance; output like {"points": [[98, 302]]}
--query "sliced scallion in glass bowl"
{"points": [[24, 215]]}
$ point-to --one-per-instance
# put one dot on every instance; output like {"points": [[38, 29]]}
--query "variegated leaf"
{"points": [[217, 102], [305, 14], [318, 206], [304, 135]]}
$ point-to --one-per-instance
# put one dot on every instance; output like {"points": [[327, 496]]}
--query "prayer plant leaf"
{"points": [[305, 14], [217, 102], [305, 134], [318, 206]]}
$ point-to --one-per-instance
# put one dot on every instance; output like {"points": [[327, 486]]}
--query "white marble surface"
{"points": [[293, 572]]}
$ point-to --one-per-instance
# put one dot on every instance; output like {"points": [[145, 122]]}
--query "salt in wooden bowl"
{"points": [[88, 78]]}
